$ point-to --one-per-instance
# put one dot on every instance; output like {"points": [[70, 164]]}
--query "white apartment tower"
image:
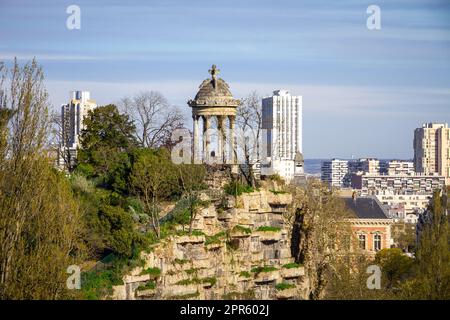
{"points": [[282, 125], [72, 115], [432, 150], [335, 173]]}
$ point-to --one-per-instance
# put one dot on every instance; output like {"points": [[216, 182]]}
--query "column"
{"points": [[196, 140], [206, 139], [221, 138], [232, 140]]}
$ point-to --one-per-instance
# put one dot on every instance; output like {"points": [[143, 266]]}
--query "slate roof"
{"points": [[365, 208]]}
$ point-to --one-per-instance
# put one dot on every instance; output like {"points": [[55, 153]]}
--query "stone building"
{"points": [[214, 116]]}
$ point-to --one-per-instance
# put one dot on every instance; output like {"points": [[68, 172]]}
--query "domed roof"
{"points": [[214, 92]]}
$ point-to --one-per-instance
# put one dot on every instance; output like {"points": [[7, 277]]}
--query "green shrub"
{"points": [[181, 261], [236, 188], [245, 274], [268, 229], [278, 192], [155, 272], [284, 286], [215, 238], [242, 229], [291, 265], [263, 269], [97, 284], [148, 285]]}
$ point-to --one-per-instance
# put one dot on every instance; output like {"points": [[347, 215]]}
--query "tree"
{"points": [[153, 177], [249, 121], [106, 142], [321, 236], [432, 266], [40, 224], [155, 118], [395, 266]]}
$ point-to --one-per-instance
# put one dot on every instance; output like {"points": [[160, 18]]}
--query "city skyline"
{"points": [[381, 84]]}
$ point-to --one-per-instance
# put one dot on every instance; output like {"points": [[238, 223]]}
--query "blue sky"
{"points": [[363, 91]]}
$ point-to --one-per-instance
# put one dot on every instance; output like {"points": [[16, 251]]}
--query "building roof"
{"points": [[365, 207], [214, 92]]}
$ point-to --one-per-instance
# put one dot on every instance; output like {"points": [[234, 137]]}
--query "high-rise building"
{"points": [[282, 122], [366, 165], [396, 167], [335, 173], [72, 115], [432, 149]]}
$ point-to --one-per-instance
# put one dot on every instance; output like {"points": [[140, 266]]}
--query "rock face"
{"points": [[239, 249]]}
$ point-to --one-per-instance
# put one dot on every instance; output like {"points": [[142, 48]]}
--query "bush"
{"points": [[242, 229], [268, 229], [154, 272], [284, 286], [147, 286], [291, 265], [263, 269], [245, 274], [215, 238], [235, 188]]}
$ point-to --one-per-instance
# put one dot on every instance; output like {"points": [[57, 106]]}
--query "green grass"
{"points": [[215, 238], [147, 286], [284, 286], [268, 229], [185, 282], [155, 272], [292, 265], [242, 229], [181, 261], [236, 188], [97, 284], [263, 269], [278, 192], [185, 296], [245, 274]]}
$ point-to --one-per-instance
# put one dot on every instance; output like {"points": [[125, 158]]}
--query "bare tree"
{"points": [[249, 121], [154, 117], [58, 142]]}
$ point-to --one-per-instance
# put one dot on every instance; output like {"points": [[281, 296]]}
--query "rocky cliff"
{"points": [[239, 249]]}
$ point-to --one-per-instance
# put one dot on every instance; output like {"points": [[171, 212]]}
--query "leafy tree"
{"points": [[106, 142], [432, 267], [395, 265], [40, 224], [153, 178]]}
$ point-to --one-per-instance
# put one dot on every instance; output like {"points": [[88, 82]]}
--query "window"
{"points": [[362, 241], [377, 242]]}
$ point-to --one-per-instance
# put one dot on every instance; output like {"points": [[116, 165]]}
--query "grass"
{"points": [[236, 188], [263, 269], [149, 285], [242, 229], [268, 229], [185, 296], [181, 261], [278, 192], [245, 274], [185, 282], [284, 286], [155, 272], [97, 284], [215, 238], [292, 265]]}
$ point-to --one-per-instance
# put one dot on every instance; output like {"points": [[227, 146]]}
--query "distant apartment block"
{"points": [[335, 173], [366, 165], [405, 207], [396, 167], [432, 149], [397, 184], [282, 120], [72, 115]]}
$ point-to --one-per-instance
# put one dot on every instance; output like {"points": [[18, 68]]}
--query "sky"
{"points": [[364, 91]]}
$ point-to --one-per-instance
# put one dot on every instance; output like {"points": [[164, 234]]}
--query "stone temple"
{"points": [[215, 107]]}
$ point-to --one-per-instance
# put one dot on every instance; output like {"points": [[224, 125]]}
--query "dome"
{"points": [[214, 92]]}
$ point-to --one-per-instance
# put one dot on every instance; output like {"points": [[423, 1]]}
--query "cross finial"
{"points": [[214, 71]]}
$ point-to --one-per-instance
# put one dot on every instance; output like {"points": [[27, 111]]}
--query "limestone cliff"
{"points": [[239, 249]]}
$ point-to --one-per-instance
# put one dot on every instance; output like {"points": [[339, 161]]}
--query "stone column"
{"points": [[206, 139], [221, 138], [195, 140], [232, 140]]}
